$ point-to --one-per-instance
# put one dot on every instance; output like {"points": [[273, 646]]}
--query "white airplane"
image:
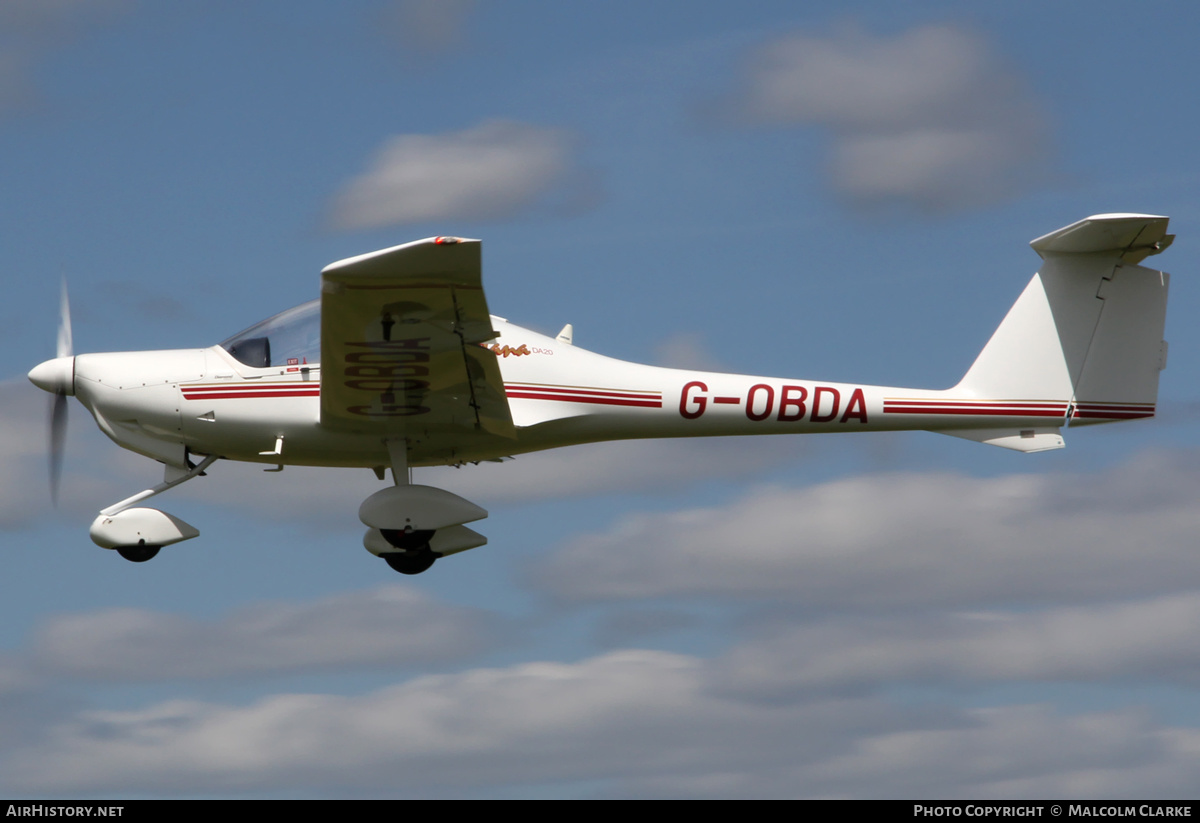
{"points": [[399, 364]]}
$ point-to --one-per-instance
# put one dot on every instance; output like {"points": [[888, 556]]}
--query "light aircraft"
{"points": [[399, 364]]}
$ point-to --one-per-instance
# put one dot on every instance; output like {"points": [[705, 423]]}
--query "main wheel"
{"points": [[139, 553], [411, 562]]}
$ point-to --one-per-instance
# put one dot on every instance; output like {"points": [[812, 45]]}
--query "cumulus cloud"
{"points": [[94, 469], [487, 172], [331, 496], [619, 467], [905, 541], [500, 724], [1146, 641], [23, 452], [635, 722], [373, 628], [1003, 752], [930, 117], [802, 704]]}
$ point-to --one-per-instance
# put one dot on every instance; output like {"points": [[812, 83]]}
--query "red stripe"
{"points": [[982, 406], [583, 398], [1052, 412], [984, 412], [580, 391], [977, 404], [974, 404], [252, 387], [259, 393]]}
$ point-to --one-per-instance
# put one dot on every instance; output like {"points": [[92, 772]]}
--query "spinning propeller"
{"points": [[57, 376]]}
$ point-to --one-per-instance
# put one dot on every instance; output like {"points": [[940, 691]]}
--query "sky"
{"points": [[832, 192]]}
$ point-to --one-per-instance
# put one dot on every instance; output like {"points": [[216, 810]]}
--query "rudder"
{"points": [[1088, 328]]}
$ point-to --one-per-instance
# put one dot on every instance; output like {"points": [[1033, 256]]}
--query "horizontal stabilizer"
{"points": [[1132, 237], [1021, 440]]}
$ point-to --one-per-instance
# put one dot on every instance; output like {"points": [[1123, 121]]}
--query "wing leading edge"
{"points": [[401, 330]]}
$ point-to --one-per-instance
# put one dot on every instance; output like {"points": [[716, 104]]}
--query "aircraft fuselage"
{"points": [[559, 394]]}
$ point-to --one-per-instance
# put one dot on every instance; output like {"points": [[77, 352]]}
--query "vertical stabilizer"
{"points": [[1088, 328]]}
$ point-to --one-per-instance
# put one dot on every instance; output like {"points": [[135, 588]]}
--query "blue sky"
{"points": [[829, 194]]}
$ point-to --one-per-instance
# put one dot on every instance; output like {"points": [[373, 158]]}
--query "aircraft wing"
{"points": [[401, 331]]}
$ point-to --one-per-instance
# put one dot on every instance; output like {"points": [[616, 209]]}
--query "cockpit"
{"points": [[290, 338]]}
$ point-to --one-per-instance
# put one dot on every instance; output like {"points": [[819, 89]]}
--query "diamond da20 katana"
{"points": [[399, 364]]}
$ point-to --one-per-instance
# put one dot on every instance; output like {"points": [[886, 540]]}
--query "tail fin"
{"points": [[1086, 332]]}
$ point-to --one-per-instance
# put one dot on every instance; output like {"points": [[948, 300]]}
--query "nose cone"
{"points": [[56, 376]]}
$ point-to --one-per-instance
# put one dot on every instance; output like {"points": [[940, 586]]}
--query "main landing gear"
{"points": [[414, 556], [413, 561], [139, 553], [412, 526]]}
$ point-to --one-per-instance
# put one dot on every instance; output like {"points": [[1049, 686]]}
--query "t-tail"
{"points": [[1084, 341]]}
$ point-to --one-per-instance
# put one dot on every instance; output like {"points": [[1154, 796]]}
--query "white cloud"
{"points": [[320, 496], [1147, 641], [392, 625], [931, 117], [906, 541], [24, 441], [806, 707], [623, 467], [631, 722], [1023, 751], [495, 724], [16, 678], [488, 172], [1004, 752], [95, 471], [331, 496]]}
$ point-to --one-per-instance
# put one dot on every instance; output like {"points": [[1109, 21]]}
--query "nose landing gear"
{"points": [[137, 533]]}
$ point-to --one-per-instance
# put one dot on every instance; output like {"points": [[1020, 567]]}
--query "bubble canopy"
{"points": [[292, 335]]}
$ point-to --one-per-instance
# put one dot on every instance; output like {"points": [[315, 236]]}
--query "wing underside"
{"points": [[401, 353]]}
